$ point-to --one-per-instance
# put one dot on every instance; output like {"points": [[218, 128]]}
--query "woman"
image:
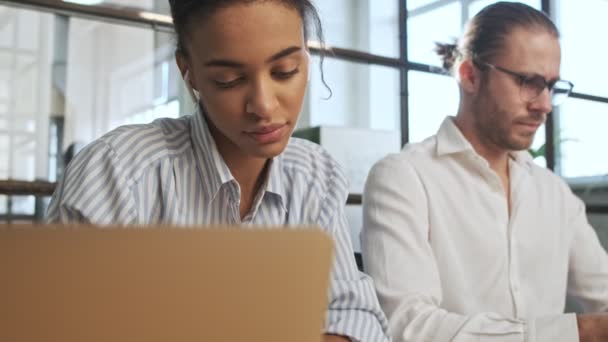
{"points": [[233, 161]]}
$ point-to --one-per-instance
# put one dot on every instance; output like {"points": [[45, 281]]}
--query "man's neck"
{"points": [[497, 158]]}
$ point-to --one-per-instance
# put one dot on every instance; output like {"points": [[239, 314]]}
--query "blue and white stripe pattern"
{"points": [[170, 171]]}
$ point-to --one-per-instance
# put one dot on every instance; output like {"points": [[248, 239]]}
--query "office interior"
{"points": [[70, 71]]}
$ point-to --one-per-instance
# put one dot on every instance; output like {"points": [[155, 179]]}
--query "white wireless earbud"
{"points": [[308, 61], [193, 92]]}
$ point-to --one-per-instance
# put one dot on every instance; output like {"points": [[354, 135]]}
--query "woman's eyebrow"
{"points": [[235, 64]]}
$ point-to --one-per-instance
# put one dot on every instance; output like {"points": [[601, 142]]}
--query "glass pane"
{"points": [[160, 6], [3, 204], [7, 61], [23, 205], [366, 25], [583, 139], [23, 125], [25, 93], [26, 80], [583, 60], [476, 6], [24, 157], [425, 28], [4, 156], [29, 28], [4, 86], [426, 111], [7, 34], [416, 4], [363, 96], [115, 75]]}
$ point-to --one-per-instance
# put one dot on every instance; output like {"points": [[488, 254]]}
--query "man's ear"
{"points": [[469, 76]]}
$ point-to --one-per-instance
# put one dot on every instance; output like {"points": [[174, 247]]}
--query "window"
{"points": [[432, 98], [478, 5], [116, 74], [580, 128], [365, 25], [428, 25], [363, 96], [96, 75], [25, 95], [583, 60], [582, 139]]}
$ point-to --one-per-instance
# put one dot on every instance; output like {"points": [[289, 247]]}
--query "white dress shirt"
{"points": [[170, 171], [451, 264]]}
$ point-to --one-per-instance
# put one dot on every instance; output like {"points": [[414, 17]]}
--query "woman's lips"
{"points": [[267, 134]]}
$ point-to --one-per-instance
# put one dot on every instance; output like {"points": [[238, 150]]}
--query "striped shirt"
{"points": [[170, 171]]}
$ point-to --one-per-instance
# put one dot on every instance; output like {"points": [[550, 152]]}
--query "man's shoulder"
{"points": [[548, 178], [413, 154]]}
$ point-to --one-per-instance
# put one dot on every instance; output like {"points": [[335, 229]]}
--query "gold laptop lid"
{"points": [[162, 284]]}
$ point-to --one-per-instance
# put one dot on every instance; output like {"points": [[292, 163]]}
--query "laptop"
{"points": [[79, 283]]}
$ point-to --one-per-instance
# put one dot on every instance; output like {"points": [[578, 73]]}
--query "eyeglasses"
{"points": [[531, 86]]}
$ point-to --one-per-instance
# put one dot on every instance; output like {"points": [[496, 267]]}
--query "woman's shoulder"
{"points": [[312, 163], [160, 131], [134, 147]]}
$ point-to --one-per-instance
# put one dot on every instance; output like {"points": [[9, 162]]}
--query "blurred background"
{"points": [[71, 71]]}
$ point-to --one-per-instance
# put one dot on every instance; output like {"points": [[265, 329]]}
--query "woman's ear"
{"points": [[188, 76], [182, 64], [184, 68]]}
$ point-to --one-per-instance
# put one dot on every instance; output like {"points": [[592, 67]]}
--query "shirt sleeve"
{"points": [[588, 267], [353, 309], [93, 189], [398, 256]]}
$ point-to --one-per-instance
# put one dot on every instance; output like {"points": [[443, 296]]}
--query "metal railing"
{"points": [[45, 189]]}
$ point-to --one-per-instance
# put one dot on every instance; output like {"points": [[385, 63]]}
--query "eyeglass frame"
{"points": [[524, 78]]}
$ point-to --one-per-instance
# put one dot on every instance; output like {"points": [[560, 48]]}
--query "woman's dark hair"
{"points": [[184, 11], [485, 34]]}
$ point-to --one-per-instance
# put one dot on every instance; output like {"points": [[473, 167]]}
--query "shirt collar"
{"points": [[274, 183], [210, 162], [450, 140], [214, 168]]}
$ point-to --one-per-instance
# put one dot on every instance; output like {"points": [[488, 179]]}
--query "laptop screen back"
{"points": [[163, 284]]}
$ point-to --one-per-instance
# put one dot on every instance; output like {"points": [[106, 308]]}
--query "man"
{"points": [[466, 238]]}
